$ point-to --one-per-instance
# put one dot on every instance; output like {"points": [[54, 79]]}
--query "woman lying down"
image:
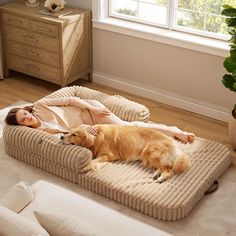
{"points": [[123, 140], [61, 115]]}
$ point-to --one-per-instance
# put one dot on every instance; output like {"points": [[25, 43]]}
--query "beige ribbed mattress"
{"points": [[127, 183], [132, 185]]}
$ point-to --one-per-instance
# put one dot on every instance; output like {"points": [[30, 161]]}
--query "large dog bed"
{"points": [[130, 184]]}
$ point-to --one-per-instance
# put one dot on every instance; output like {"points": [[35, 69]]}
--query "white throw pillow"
{"points": [[12, 224], [17, 197], [60, 224]]}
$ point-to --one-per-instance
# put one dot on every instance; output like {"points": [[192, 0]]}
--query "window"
{"points": [[195, 16]]}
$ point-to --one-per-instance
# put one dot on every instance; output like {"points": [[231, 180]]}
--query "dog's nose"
{"points": [[62, 137]]}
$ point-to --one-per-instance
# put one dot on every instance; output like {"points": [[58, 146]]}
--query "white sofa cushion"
{"points": [[12, 224], [49, 197], [59, 224], [17, 197]]}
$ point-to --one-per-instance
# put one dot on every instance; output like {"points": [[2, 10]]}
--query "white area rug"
{"points": [[214, 214]]}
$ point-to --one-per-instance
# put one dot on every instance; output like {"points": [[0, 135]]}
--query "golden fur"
{"points": [[130, 143]]}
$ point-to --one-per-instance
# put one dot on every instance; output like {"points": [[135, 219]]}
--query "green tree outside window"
{"points": [[194, 14]]}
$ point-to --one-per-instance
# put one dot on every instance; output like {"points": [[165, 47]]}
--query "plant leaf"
{"points": [[229, 81], [232, 46], [233, 54], [230, 64], [233, 39], [234, 86], [231, 22], [228, 11], [231, 31], [226, 6]]}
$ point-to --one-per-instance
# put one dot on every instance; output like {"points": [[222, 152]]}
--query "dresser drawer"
{"points": [[33, 68], [32, 39], [15, 21], [44, 28], [53, 49], [29, 52]]}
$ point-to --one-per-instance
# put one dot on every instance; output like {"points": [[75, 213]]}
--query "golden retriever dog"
{"points": [[131, 143]]}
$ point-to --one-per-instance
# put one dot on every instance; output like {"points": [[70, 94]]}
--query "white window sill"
{"points": [[174, 38]]}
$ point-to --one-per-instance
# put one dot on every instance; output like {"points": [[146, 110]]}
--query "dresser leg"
{"points": [[90, 77], [6, 72]]}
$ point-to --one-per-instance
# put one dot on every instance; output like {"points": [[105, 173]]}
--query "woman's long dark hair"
{"points": [[11, 115]]}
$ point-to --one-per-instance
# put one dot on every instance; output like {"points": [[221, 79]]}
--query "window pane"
{"points": [[191, 20], [152, 13], [126, 7], [194, 5], [197, 16], [203, 15], [216, 24], [148, 11], [215, 6]]}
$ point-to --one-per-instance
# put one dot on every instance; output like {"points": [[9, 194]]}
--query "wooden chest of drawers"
{"points": [[54, 49]]}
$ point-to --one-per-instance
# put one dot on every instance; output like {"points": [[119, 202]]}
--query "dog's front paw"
{"points": [[89, 167], [102, 165], [85, 170], [156, 174], [161, 179]]}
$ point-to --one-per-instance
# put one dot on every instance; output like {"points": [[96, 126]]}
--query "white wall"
{"points": [[81, 3], [169, 74]]}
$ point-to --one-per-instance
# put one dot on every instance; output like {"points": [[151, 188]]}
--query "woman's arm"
{"points": [[73, 101], [66, 101]]}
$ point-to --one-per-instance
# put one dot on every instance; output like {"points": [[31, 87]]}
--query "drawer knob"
{"points": [[30, 37]]}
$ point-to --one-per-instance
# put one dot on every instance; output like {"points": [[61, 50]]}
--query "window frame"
{"points": [[101, 21], [171, 21], [135, 19]]}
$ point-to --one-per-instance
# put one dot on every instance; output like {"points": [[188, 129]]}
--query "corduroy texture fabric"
{"points": [[120, 106], [45, 151], [127, 183], [131, 184]]}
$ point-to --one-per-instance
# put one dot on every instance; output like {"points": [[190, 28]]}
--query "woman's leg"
{"points": [[172, 131], [109, 119]]}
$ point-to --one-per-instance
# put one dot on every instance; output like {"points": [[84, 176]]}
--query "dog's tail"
{"points": [[182, 162]]}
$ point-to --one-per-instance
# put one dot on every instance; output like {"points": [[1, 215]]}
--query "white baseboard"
{"points": [[186, 103]]}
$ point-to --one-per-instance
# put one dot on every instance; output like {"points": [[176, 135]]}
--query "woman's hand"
{"points": [[90, 129], [100, 111]]}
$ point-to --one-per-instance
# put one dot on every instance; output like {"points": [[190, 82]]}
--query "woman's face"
{"points": [[25, 118]]}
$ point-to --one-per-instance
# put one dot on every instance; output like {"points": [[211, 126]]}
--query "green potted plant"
{"points": [[229, 79]]}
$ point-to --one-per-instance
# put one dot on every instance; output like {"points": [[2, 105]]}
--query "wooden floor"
{"points": [[21, 87]]}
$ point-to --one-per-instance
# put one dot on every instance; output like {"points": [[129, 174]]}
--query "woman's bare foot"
{"points": [[183, 136]]}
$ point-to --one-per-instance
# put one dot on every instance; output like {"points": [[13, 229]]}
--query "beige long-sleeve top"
{"points": [[63, 114]]}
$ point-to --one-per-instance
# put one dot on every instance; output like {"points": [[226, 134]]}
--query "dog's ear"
{"points": [[87, 140]]}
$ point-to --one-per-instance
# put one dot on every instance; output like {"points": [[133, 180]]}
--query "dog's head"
{"points": [[79, 137]]}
